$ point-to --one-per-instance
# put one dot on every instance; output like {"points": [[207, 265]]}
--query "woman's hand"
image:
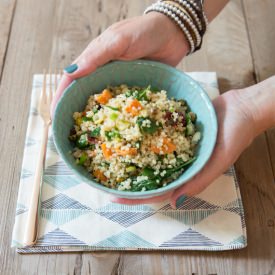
{"points": [[237, 128], [151, 36]]}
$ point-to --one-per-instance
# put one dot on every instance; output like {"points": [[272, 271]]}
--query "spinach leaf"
{"points": [[112, 134], [82, 141], [154, 181], [148, 172], [95, 132], [138, 94], [151, 129], [112, 108], [84, 118], [148, 184]]}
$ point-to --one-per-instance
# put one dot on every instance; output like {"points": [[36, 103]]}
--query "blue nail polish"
{"points": [[71, 68], [180, 201]]}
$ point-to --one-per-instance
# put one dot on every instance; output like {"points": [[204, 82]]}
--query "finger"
{"points": [[214, 168], [99, 52], [63, 84], [141, 201]]}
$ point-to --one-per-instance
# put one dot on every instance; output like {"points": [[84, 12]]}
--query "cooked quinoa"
{"points": [[134, 139]]}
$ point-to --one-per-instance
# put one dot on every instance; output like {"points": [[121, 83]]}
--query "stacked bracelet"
{"points": [[188, 15]]}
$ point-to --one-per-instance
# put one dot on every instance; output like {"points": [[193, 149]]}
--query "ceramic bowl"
{"points": [[136, 73]]}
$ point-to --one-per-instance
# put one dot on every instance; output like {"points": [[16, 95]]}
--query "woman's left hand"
{"points": [[236, 132], [152, 36]]}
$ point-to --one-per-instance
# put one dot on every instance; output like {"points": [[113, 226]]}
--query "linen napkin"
{"points": [[76, 217]]}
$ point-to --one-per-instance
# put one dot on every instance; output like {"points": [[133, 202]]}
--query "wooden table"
{"points": [[240, 46]]}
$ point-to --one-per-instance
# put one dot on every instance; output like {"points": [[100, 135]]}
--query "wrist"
{"points": [[167, 25], [258, 103]]}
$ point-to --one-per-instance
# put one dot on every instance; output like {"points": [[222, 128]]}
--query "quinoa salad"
{"points": [[134, 139]]}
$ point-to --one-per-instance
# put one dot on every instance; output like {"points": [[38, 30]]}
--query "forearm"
{"points": [[259, 103], [213, 7]]}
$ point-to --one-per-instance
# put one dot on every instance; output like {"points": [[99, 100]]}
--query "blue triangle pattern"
{"points": [[236, 207], [62, 201], [30, 141], [125, 239], [192, 203], [126, 219], [61, 216], [241, 213], [125, 207], [34, 111], [233, 206], [44, 249], [240, 240], [25, 173], [20, 209], [51, 145], [58, 238], [20, 205], [189, 217], [190, 237], [125, 215], [61, 182], [229, 172], [59, 168]]}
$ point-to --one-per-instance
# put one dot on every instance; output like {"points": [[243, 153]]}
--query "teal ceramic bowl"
{"points": [[140, 73]]}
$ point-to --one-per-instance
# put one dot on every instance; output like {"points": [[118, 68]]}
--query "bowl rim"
{"points": [[149, 193]]}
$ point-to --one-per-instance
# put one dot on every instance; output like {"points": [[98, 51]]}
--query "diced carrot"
{"points": [[130, 151], [134, 107], [107, 152], [99, 175], [167, 147], [104, 97]]}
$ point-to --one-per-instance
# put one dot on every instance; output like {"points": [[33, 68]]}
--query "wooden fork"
{"points": [[44, 110]]}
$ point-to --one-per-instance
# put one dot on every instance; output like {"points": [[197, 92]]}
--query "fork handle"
{"points": [[31, 230]]}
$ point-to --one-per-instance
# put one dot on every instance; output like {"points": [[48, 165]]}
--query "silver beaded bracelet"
{"points": [[175, 18], [188, 15]]}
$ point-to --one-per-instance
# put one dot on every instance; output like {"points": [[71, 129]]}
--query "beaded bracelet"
{"points": [[176, 19], [197, 7], [189, 10], [188, 15], [187, 20]]}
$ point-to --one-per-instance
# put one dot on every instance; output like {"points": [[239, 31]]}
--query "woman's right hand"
{"points": [[151, 36]]}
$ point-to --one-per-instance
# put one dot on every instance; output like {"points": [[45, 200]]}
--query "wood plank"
{"points": [[260, 22], [37, 42], [235, 69], [6, 15], [262, 38], [57, 42]]}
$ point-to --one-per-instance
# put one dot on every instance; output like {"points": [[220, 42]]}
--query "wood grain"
{"points": [[260, 22], [6, 15], [262, 39], [55, 34]]}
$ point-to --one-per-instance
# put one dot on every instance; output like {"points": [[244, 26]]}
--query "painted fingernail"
{"points": [[180, 200], [71, 68]]}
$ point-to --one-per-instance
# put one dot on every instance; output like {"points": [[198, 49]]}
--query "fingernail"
{"points": [[71, 68], [180, 200]]}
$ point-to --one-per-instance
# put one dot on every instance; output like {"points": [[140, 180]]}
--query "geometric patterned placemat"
{"points": [[76, 217]]}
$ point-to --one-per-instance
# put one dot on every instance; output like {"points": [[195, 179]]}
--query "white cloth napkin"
{"points": [[76, 217]]}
